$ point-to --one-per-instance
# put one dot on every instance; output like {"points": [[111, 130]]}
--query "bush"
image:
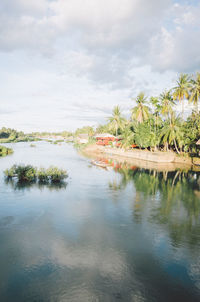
{"points": [[56, 174], [5, 151], [42, 175], [22, 172], [29, 173]]}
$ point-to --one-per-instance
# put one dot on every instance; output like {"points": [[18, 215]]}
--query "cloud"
{"points": [[95, 54], [177, 47]]}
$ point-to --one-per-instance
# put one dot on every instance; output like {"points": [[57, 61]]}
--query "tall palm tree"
{"points": [[172, 133], [167, 104], [195, 91], [116, 121], [140, 112], [182, 89]]}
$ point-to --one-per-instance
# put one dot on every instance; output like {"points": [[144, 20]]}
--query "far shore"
{"points": [[142, 158]]}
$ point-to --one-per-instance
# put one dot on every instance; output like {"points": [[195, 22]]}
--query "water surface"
{"points": [[122, 234]]}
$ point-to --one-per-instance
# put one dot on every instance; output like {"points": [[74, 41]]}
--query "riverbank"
{"points": [[145, 159]]}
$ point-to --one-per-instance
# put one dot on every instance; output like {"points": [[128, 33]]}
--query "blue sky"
{"points": [[65, 64]]}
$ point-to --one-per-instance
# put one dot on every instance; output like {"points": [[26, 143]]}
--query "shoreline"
{"points": [[145, 159]]}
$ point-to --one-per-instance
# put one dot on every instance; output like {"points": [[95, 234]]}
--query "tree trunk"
{"points": [[176, 147], [182, 101]]}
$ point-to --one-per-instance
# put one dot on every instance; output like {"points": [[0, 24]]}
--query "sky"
{"points": [[66, 63]]}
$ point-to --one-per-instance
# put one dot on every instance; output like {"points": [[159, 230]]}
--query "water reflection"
{"points": [[168, 198], [21, 186]]}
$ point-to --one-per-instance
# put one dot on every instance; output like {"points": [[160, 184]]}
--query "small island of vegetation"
{"points": [[5, 151], [28, 173]]}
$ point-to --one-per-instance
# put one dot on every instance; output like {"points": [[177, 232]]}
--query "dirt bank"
{"points": [[145, 159]]}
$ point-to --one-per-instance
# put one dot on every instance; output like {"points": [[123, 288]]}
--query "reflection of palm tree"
{"points": [[141, 112], [167, 199]]}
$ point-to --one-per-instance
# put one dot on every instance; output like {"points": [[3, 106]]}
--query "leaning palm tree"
{"points": [[182, 89], [140, 112], [195, 91], [116, 121], [167, 104]]}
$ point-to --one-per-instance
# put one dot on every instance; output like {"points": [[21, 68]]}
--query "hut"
{"points": [[104, 139]]}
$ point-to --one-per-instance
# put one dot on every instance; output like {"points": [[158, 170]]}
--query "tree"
{"points": [[127, 138], [167, 104], [140, 112], [116, 121], [182, 90], [172, 133], [195, 91]]}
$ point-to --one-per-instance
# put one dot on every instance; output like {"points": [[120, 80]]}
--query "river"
{"points": [[118, 234]]}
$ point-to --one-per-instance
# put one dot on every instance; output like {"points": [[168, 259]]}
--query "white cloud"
{"points": [[93, 52]]}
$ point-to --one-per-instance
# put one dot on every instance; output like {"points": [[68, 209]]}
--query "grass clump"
{"points": [[28, 173]]}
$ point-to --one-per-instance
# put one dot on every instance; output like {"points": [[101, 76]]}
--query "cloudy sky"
{"points": [[66, 63]]}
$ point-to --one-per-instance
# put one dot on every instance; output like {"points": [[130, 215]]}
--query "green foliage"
{"points": [[154, 122], [29, 173], [8, 135], [42, 175], [144, 135], [116, 121], [85, 130], [141, 112], [127, 138], [55, 174], [182, 89], [5, 151], [22, 172]]}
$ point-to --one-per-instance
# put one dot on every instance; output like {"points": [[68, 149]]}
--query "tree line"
{"points": [[154, 123]]}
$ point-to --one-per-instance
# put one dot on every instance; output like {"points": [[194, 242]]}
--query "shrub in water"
{"points": [[30, 173], [24, 173], [56, 174], [42, 175], [5, 151]]}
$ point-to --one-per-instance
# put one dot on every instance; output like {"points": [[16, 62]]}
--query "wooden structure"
{"points": [[104, 139]]}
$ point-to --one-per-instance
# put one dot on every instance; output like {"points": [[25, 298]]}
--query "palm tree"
{"points": [[156, 109], [116, 121], [182, 89], [195, 91], [167, 104], [172, 133], [141, 111]]}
